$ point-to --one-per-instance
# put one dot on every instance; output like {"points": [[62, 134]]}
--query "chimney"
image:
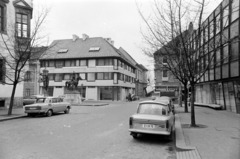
{"points": [[110, 41], [85, 36], [75, 37]]}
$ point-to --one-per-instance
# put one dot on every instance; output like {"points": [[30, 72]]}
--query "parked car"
{"points": [[168, 100], [135, 97], [32, 99], [48, 106], [152, 117]]}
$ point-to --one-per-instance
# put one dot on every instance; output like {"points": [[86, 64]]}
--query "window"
{"points": [[73, 63], [27, 92], [1, 18], [108, 62], [165, 73], [234, 49], [22, 25], [91, 63], [83, 62], [218, 57], [107, 75], [235, 9], [164, 59], [28, 76], [211, 29], [59, 64], [67, 63], [225, 54], [83, 76], [94, 49], [51, 63], [51, 77], [218, 23], [91, 77], [66, 77], [100, 62], [234, 30], [62, 51], [2, 70], [225, 16], [58, 78], [100, 76]]}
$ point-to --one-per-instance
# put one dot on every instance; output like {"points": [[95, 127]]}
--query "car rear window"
{"points": [[152, 108], [40, 100]]}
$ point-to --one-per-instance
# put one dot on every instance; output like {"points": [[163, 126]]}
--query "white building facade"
{"points": [[12, 13], [106, 74]]}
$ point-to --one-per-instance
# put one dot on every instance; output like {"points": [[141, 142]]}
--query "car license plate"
{"points": [[148, 126], [32, 108]]}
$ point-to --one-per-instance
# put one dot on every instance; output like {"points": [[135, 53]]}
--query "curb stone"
{"points": [[187, 152]]}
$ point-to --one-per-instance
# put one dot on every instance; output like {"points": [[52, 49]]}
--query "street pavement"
{"points": [[216, 137]]}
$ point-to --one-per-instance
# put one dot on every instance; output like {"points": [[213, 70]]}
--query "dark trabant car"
{"points": [[152, 117]]}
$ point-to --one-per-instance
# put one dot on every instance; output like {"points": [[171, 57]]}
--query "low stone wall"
{"points": [[18, 102]]}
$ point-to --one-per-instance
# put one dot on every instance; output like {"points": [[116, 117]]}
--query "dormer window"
{"points": [[94, 49], [62, 51]]}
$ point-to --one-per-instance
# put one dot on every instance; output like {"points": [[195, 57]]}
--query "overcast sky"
{"points": [[116, 19]]}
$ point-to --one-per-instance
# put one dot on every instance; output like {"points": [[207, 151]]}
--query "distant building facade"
{"points": [[141, 80], [105, 72], [32, 77]]}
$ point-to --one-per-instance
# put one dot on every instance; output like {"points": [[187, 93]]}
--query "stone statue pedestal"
{"points": [[73, 97]]}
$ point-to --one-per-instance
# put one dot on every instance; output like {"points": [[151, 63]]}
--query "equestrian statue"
{"points": [[73, 83]]}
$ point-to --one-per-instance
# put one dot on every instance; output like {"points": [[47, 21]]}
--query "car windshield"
{"points": [[152, 108]]}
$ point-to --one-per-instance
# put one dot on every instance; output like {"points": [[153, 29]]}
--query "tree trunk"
{"points": [[185, 98], [12, 99], [193, 123]]}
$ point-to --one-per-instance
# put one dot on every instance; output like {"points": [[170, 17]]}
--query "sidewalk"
{"points": [[16, 113], [217, 137]]}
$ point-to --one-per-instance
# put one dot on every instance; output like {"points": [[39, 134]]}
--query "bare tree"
{"points": [[170, 34], [20, 50]]}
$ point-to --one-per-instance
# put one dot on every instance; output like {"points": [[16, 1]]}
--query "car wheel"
{"points": [[49, 113], [134, 135], [171, 136], [67, 110]]}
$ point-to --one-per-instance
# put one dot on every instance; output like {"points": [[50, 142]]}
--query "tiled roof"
{"points": [[80, 49], [127, 56]]}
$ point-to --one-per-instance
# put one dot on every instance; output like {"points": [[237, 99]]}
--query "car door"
{"points": [[55, 107], [62, 105]]}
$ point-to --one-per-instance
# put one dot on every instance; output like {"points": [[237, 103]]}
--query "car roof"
{"points": [[155, 101], [165, 97]]}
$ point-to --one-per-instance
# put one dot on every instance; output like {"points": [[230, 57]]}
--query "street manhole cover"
{"points": [[197, 126]]}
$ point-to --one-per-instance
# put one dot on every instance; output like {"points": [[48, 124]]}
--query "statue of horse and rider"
{"points": [[73, 83]]}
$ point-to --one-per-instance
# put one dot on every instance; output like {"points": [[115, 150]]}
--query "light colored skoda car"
{"points": [[48, 106], [152, 117]]}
